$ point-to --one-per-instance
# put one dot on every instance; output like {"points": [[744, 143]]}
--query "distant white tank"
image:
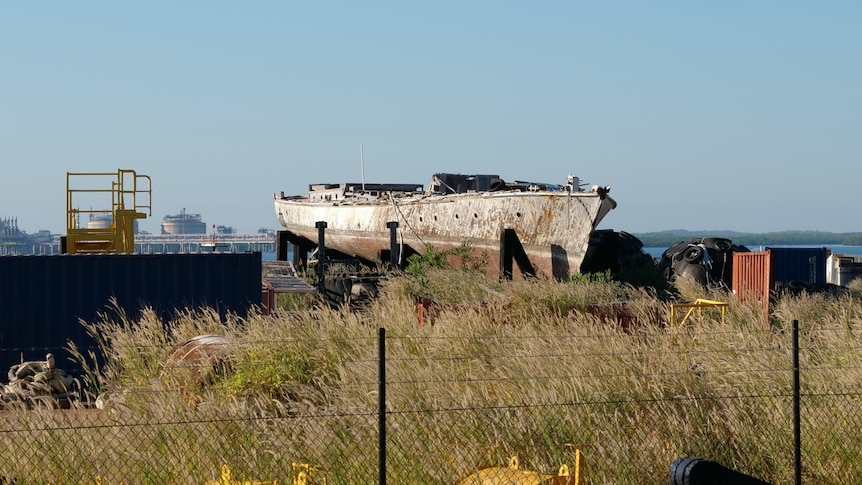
{"points": [[100, 221], [183, 223], [104, 221]]}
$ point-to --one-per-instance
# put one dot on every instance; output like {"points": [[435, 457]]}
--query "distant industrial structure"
{"points": [[102, 213], [14, 241], [183, 223], [262, 241], [9, 227]]}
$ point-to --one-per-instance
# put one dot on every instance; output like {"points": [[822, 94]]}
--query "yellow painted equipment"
{"points": [[512, 474], [120, 201], [227, 479], [305, 474], [698, 305]]}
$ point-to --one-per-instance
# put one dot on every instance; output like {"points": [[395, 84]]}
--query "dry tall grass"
{"points": [[508, 368]]}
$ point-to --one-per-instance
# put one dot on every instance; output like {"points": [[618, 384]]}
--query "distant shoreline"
{"points": [[784, 238], [657, 251]]}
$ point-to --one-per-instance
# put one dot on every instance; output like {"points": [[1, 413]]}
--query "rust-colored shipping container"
{"points": [[757, 274], [751, 277]]}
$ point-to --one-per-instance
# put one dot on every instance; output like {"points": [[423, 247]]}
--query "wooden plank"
{"points": [[282, 276]]}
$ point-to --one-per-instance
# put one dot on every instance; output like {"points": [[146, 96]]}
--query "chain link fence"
{"points": [[541, 408]]}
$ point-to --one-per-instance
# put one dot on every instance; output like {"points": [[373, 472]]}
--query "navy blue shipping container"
{"points": [[806, 265], [44, 297]]}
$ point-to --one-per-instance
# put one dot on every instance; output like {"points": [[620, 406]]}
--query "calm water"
{"points": [[656, 252]]}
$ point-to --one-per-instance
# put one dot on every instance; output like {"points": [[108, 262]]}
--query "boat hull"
{"points": [[553, 227]]}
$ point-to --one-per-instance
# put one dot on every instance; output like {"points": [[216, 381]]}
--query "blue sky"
{"points": [[700, 115]]}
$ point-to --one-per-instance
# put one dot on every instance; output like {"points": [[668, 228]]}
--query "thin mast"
{"points": [[362, 164]]}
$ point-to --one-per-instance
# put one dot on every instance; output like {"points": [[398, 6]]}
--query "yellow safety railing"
{"points": [[699, 304], [111, 225]]}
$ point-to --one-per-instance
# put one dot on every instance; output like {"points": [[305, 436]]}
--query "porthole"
{"points": [[518, 214], [456, 216], [420, 219], [475, 216]]}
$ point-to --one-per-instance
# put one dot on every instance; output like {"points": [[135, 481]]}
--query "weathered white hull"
{"points": [[553, 227]]}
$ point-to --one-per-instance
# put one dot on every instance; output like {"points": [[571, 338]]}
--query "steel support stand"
{"points": [[394, 253], [321, 255]]}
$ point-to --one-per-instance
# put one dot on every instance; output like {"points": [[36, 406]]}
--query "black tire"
{"points": [[675, 249], [696, 272], [797, 285], [681, 468], [722, 245], [737, 248], [693, 254]]}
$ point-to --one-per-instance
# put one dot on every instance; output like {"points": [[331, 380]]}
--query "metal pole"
{"points": [[381, 405], [797, 434], [281, 243], [394, 253], [506, 254], [321, 255]]}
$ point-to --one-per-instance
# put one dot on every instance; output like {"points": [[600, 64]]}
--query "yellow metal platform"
{"points": [[111, 202]]}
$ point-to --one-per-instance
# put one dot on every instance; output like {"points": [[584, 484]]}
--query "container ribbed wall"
{"points": [[43, 296], [751, 277], [757, 274]]}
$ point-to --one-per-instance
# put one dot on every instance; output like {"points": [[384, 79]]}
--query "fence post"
{"points": [[797, 434], [381, 405]]}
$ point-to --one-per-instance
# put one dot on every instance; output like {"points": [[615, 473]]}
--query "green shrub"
{"points": [[265, 374]]}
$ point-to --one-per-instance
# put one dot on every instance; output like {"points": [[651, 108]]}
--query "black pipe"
{"points": [[691, 470]]}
